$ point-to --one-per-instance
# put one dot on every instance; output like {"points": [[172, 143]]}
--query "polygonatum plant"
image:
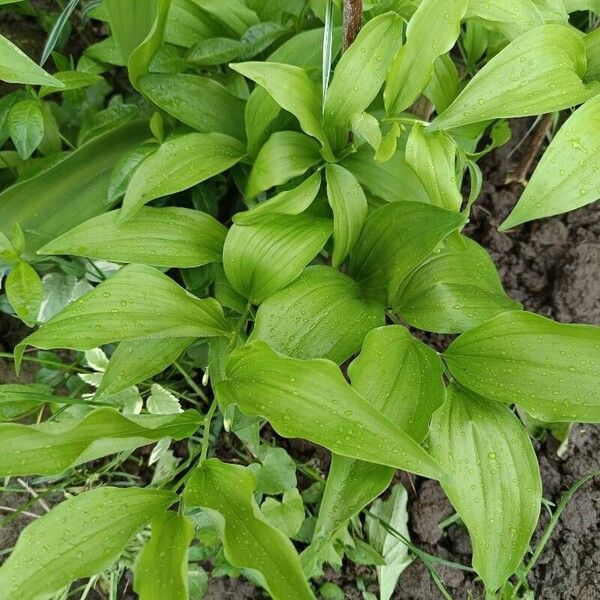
{"points": [[278, 197]]}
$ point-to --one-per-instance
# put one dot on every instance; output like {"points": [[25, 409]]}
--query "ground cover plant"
{"points": [[238, 222]]}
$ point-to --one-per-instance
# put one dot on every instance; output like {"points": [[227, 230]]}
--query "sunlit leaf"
{"points": [[17, 67], [26, 126]]}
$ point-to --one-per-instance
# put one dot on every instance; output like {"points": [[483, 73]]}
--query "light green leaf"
{"points": [[161, 237], [125, 168], [321, 315], [162, 402], [285, 155], [187, 24], [431, 32], [24, 291], [512, 18], [17, 67], [457, 289], [365, 128], [161, 570], [592, 50], [26, 126], [396, 238], [286, 515], [547, 62], [18, 399], [234, 14], [248, 539], [548, 368], [60, 290], [310, 399], [444, 85], [567, 176], [215, 51], [136, 302], [349, 205], [71, 80], [201, 103], [262, 258], [178, 164], [495, 485], [77, 539]]}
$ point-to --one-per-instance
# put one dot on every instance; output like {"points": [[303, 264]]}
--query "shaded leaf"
{"points": [[286, 515], [17, 399], [275, 470]]}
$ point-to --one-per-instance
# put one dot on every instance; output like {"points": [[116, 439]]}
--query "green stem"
{"points": [[206, 435], [41, 361], [191, 382]]}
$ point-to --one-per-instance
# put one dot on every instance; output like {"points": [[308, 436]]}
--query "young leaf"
{"points": [[52, 448], [431, 32], [457, 289], [286, 515], [136, 302], [77, 539], [310, 399], [567, 176], [547, 62], [249, 541], [26, 126], [396, 238], [262, 258], [548, 368], [349, 205], [495, 485], [320, 315], [161, 237], [24, 291], [178, 164], [161, 570]]}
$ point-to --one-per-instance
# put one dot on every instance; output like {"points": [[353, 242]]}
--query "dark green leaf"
{"points": [[26, 126], [24, 291]]}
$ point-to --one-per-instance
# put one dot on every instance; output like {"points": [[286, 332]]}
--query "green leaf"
{"points": [[17, 67], [320, 315], [52, 448], [249, 541], [548, 368], [310, 399], [234, 14], [592, 50], [457, 289], [77, 539], [215, 51], [18, 399], [349, 205], [512, 18], [162, 402], [567, 176], [26, 126], [286, 515], [24, 291], [284, 156], [161, 570], [136, 302], [396, 238], [361, 70], [71, 80], [275, 470], [262, 258], [161, 237], [547, 62], [431, 32], [495, 485], [179, 164], [432, 157], [201, 103], [125, 168], [444, 85]]}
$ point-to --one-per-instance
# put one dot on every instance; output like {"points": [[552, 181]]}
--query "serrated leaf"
{"points": [[248, 540], [495, 485], [160, 237], [96, 359], [24, 292], [548, 368], [77, 539], [162, 402], [26, 126]]}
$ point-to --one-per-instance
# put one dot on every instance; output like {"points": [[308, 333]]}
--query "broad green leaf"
{"points": [[365, 128], [286, 515], [495, 485], [69, 192], [573, 5], [249, 541], [432, 157], [161, 570], [24, 291], [262, 258], [361, 71], [77, 539], [17, 67], [135, 361], [234, 14], [349, 205], [567, 176], [215, 51], [285, 155], [431, 32], [592, 50], [548, 368], [396, 238], [187, 24], [444, 85], [71, 80], [310, 399], [547, 62], [26, 126], [136, 302], [18, 399], [161, 237], [125, 168], [289, 202], [512, 18], [200, 102], [52, 448], [321, 315], [178, 164], [59, 290], [457, 289]]}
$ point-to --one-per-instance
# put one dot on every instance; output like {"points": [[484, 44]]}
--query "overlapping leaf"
{"points": [[17, 67]]}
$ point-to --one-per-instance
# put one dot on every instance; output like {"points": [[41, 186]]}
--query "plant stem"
{"points": [[206, 435], [191, 382], [352, 21]]}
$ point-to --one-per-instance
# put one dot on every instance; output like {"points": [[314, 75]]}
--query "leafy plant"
{"points": [[261, 207]]}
